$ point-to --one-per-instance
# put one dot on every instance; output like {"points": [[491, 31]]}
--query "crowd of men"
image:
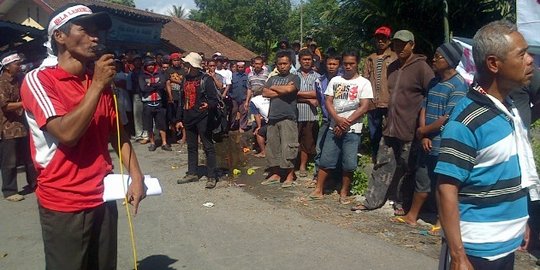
{"points": [[469, 144]]}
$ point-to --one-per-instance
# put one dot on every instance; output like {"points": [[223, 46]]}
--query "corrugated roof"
{"points": [[184, 34], [112, 7]]}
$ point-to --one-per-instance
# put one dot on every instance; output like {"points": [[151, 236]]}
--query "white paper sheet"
{"points": [[116, 190]]}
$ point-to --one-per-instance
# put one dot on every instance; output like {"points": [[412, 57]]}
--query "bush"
{"points": [[360, 178]]}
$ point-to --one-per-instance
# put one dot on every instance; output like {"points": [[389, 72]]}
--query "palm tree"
{"points": [[178, 12]]}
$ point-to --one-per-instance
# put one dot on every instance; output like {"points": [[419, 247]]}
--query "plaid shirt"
{"points": [[306, 112]]}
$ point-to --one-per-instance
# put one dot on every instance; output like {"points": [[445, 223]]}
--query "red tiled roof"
{"points": [[184, 34], [196, 36]]}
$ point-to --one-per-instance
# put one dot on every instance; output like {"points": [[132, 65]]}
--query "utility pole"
{"points": [[301, 23], [446, 25]]}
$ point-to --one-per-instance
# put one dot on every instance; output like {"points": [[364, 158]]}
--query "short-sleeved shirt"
{"points": [[70, 179], [306, 112], [347, 95], [260, 105], [239, 87], [256, 81], [440, 100], [227, 75], [284, 106], [177, 74], [11, 122], [479, 150]]}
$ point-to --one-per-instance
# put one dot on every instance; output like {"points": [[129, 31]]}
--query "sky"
{"points": [[161, 6]]}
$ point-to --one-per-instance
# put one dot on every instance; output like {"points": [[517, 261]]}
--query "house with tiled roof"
{"points": [[133, 28]]}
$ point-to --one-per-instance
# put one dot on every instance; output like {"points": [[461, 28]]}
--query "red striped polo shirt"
{"points": [[70, 178]]}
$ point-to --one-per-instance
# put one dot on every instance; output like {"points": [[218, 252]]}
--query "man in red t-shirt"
{"points": [[72, 119]]}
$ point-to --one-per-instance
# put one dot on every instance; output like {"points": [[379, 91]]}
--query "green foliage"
{"points": [[129, 3], [536, 151], [360, 178], [256, 24], [535, 142], [178, 12], [358, 19], [317, 21], [311, 167]]}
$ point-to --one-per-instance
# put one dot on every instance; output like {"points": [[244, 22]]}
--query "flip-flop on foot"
{"points": [[400, 220], [288, 184], [270, 181], [312, 197], [360, 207]]}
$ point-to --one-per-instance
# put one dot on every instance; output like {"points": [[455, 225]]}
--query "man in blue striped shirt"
{"points": [[448, 87], [482, 203]]}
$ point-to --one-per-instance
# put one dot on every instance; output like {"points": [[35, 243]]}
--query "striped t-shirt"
{"points": [[478, 149], [440, 100], [306, 112]]}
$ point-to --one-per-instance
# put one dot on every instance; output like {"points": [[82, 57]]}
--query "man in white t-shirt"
{"points": [[227, 82], [259, 108], [347, 100], [225, 73]]}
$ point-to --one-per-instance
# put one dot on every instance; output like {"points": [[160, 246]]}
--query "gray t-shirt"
{"points": [[284, 106]]}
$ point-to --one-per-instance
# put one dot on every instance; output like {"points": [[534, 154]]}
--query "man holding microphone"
{"points": [[72, 119]]}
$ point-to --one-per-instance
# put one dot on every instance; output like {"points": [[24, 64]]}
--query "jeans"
{"points": [[138, 116], [323, 131], [344, 149], [375, 124]]}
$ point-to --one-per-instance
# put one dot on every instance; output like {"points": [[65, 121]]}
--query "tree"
{"points": [[317, 21], [129, 3], [178, 12], [359, 18], [255, 24]]}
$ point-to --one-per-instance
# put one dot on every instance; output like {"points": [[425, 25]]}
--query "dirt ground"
{"points": [[231, 154]]}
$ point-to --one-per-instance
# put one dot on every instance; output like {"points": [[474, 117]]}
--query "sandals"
{"points": [[400, 220], [302, 173], [434, 231], [288, 184], [360, 207], [312, 197], [259, 155], [346, 200], [270, 181]]}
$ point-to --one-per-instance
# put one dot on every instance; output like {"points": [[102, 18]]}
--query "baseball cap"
{"points": [[175, 56], [404, 35], [77, 13], [149, 61], [383, 30]]}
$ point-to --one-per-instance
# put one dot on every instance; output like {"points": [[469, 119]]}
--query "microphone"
{"points": [[99, 50]]}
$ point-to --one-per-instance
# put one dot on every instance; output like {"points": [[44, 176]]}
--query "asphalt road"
{"points": [[241, 231]]}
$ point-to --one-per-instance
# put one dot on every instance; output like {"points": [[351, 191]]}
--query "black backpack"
{"points": [[217, 117]]}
